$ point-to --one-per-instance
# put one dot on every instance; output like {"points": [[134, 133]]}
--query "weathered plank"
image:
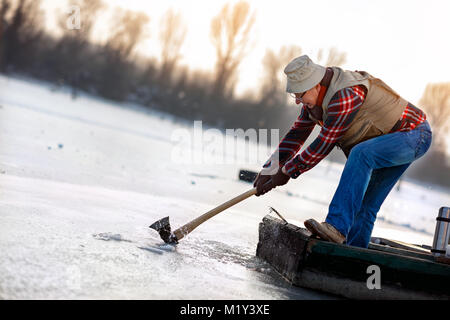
{"points": [[285, 253], [400, 251], [401, 245]]}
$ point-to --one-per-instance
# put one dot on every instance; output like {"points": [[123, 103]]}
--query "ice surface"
{"points": [[81, 181]]}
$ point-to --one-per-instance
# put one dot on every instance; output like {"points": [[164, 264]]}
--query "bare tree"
{"points": [[4, 8], [71, 49], [129, 32], [89, 10], [116, 78], [22, 32], [172, 34], [272, 92], [436, 103], [230, 34], [334, 58]]}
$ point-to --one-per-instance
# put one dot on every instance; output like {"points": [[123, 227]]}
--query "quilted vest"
{"points": [[381, 109]]}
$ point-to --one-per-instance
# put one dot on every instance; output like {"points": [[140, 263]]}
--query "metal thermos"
{"points": [[442, 232]]}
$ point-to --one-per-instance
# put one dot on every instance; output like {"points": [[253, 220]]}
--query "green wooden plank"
{"points": [[390, 260]]}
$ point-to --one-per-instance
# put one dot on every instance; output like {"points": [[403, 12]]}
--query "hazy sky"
{"points": [[406, 43]]}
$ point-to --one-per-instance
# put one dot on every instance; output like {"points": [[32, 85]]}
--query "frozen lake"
{"points": [[81, 181]]}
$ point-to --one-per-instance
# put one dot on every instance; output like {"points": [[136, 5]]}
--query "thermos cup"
{"points": [[442, 232]]}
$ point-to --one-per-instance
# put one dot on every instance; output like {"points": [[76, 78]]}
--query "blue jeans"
{"points": [[371, 171]]}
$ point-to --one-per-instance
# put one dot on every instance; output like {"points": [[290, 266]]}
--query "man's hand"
{"points": [[280, 178], [260, 181], [265, 183]]}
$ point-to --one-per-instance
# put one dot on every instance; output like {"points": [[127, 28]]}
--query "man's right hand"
{"points": [[261, 183]]}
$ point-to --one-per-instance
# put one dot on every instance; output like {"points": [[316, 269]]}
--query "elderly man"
{"points": [[380, 133]]}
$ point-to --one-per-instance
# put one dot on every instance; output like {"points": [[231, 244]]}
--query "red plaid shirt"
{"points": [[341, 111]]}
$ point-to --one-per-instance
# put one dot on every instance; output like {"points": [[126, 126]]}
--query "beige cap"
{"points": [[303, 74]]}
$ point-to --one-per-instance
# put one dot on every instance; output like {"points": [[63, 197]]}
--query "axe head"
{"points": [[163, 228]]}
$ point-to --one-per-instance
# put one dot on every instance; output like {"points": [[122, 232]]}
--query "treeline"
{"points": [[113, 70]]}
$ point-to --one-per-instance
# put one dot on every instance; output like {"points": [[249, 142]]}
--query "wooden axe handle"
{"points": [[188, 227]]}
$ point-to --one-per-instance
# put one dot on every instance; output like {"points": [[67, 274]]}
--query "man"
{"points": [[380, 133]]}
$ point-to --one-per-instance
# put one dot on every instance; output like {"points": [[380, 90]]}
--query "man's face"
{"points": [[308, 98]]}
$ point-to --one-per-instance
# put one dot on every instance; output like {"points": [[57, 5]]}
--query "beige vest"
{"points": [[377, 115]]}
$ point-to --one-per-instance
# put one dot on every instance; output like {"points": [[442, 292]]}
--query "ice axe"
{"points": [[163, 225]]}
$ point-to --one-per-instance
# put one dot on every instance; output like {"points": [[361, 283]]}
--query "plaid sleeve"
{"points": [[341, 110], [293, 140], [411, 118]]}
